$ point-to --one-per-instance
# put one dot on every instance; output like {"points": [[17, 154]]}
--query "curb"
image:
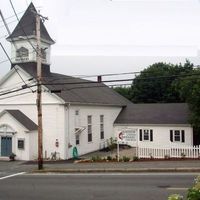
{"points": [[131, 170]]}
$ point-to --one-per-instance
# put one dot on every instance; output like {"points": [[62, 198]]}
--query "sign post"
{"points": [[124, 137], [117, 151]]}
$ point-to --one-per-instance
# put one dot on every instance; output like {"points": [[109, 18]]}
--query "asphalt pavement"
{"points": [[95, 186]]}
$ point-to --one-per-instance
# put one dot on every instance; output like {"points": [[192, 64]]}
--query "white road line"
{"points": [[12, 175]]}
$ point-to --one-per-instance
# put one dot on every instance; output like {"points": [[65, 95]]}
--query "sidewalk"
{"points": [[128, 167]]}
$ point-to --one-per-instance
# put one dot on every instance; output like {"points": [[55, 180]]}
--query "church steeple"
{"points": [[24, 37]]}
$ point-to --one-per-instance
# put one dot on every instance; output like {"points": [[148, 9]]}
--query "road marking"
{"points": [[12, 175], [177, 188]]}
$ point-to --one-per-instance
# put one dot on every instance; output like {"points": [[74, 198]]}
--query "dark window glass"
{"points": [[146, 134], [177, 137], [20, 144]]}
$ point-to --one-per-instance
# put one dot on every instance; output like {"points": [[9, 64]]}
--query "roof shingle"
{"points": [[23, 119], [76, 90], [154, 113], [27, 26]]}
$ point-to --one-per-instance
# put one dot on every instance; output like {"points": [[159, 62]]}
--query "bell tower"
{"points": [[24, 42]]}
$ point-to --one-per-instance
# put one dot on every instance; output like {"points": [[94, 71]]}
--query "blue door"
{"points": [[6, 146]]}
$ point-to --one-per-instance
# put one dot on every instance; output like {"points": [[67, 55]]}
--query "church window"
{"points": [[22, 54], [43, 54]]}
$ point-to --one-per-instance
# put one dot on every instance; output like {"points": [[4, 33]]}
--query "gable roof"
{"points": [[76, 90], [154, 113], [22, 119], [27, 26]]}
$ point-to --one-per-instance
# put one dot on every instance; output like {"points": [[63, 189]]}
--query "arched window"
{"points": [[22, 54], [4, 128]]}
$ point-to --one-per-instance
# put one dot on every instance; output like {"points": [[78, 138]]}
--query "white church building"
{"points": [[76, 112]]}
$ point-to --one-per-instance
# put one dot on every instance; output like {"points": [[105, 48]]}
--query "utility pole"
{"points": [[39, 93]]}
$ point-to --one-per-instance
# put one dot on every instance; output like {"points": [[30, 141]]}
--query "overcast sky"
{"points": [[104, 36]]}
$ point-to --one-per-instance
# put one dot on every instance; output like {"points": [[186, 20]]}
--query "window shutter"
{"points": [[183, 136], [151, 135], [140, 134], [171, 135]]}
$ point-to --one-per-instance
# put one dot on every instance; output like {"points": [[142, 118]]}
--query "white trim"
{"points": [[5, 112], [157, 125]]}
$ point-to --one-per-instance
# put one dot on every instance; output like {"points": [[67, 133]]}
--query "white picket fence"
{"points": [[173, 152]]}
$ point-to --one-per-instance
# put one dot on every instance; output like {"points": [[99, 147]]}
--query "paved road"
{"points": [[94, 186], [9, 168]]}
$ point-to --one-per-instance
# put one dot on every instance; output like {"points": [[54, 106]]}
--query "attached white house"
{"points": [[76, 112], [156, 124]]}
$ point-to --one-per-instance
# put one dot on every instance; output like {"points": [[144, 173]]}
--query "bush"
{"points": [[194, 192], [126, 159], [135, 158], [175, 197], [96, 158], [12, 157], [112, 144], [109, 158], [167, 157]]}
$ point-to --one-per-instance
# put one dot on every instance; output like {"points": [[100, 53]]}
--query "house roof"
{"points": [[76, 90], [155, 113], [27, 26], [22, 119]]}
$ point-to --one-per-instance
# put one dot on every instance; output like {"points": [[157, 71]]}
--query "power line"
{"points": [[12, 16], [121, 80], [6, 60], [16, 95], [3, 90], [22, 27], [91, 86], [3, 36], [109, 74], [14, 46], [8, 23]]}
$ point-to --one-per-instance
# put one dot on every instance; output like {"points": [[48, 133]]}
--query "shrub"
{"points": [[111, 143], [167, 157], [96, 158], [183, 155], [194, 192], [109, 158], [135, 158], [126, 159], [12, 157], [175, 197]]}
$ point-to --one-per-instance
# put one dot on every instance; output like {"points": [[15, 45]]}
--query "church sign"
{"points": [[127, 135]]}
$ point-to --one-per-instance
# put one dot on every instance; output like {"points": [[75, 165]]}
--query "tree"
{"points": [[189, 90], [156, 83], [124, 91]]}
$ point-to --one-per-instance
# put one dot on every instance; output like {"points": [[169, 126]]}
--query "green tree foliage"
{"points": [[189, 90], [157, 83], [168, 83], [124, 91]]}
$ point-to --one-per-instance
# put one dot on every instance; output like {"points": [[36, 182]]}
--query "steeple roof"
{"points": [[27, 26]]}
